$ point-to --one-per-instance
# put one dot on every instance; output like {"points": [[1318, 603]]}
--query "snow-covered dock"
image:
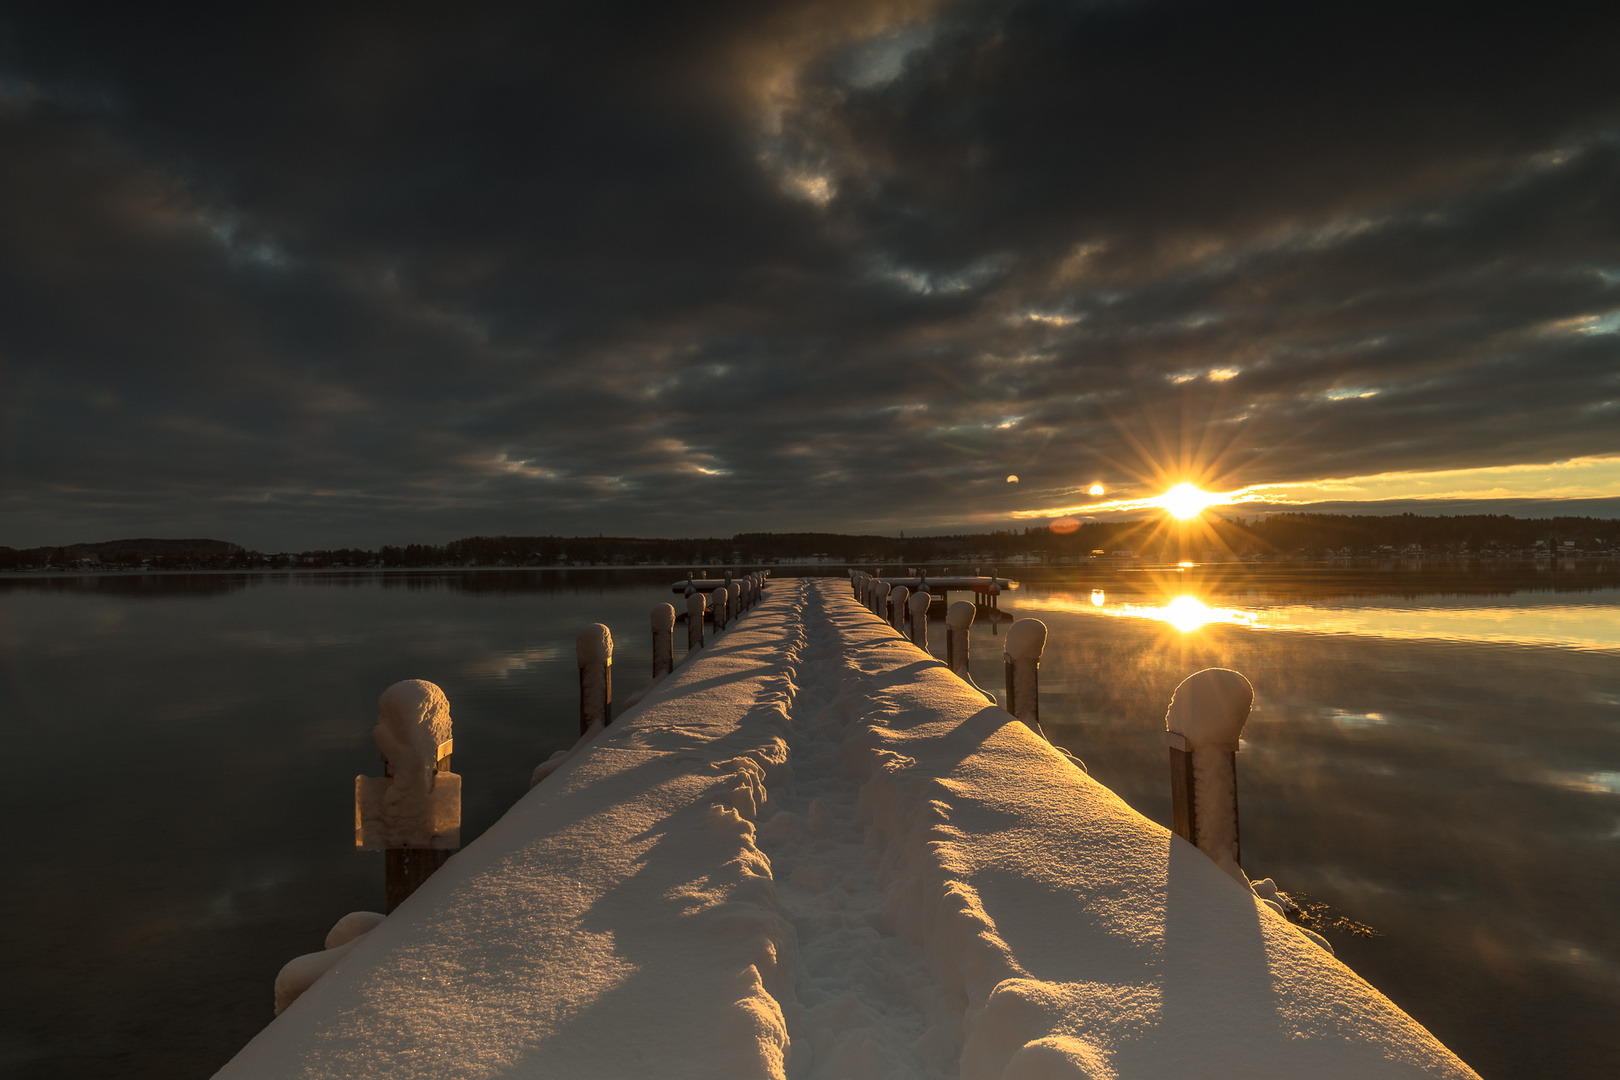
{"points": [[812, 851]]}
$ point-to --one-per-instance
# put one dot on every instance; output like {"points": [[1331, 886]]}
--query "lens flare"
{"points": [[1012, 479]]}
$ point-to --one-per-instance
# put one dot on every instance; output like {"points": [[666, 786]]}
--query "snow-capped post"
{"points": [[1026, 640], [412, 813], [663, 632], [918, 606], [736, 591], [722, 600], [880, 598], [1203, 725], [897, 608], [958, 622], [594, 648], [696, 605]]}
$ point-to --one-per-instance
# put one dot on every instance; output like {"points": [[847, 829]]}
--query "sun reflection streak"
{"points": [[1585, 628]]}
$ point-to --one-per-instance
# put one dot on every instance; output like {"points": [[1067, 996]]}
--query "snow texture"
{"points": [[814, 852]]}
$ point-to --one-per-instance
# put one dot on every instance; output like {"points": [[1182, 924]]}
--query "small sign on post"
{"points": [[412, 813]]}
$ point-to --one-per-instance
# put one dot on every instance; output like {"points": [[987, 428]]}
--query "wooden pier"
{"points": [[812, 849]]}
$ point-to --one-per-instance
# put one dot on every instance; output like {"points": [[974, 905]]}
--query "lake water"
{"points": [[1433, 762]]}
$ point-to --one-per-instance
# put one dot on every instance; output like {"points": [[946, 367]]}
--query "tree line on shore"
{"points": [[1276, 535]]}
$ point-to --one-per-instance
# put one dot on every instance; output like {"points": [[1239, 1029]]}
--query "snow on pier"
{"points": [[812, 851]]}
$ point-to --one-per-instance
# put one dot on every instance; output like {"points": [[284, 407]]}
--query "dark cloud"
{"points": [[350, 274]]}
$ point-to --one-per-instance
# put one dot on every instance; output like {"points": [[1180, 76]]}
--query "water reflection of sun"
{"points": [[1186, 613]]}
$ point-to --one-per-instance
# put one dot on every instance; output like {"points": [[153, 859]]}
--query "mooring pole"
{"points": [[918, 609], [958, 623], [696, 605], [1025, 642], [663, 635], [1202, 727], [594, 649], [412, 813], [897, 608]]}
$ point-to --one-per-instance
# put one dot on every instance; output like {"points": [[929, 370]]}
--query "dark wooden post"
{"points": [[412, 813], [1025, 642], [696, 605], [663, 637], [1202, 727], [594, 649]]}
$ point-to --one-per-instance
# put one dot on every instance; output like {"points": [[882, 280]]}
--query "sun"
{"points": [[1186, 501]]}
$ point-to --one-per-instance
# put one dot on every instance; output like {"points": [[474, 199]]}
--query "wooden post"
{"points": [[412, 813], [897, 608], [880, 599], [918, 607], [663, 633], [594, 650], [736, 591], [958, 623], [696, 605], [1202, 727], [1026, 640]]}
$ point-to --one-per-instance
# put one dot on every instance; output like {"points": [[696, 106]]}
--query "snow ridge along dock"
{"points": [[814, 852]]}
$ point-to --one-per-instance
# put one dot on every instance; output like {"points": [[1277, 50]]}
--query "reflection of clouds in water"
{"points": [[1586, 627], [497, 667], [1593, 783]]}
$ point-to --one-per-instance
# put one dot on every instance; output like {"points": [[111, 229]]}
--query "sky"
{"points": [[359, 274]]}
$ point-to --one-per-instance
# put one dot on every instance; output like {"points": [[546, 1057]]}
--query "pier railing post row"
{"points": [[917, 606], [1202, 726], [412, 813], [696, 605], [897, 608], [1025, 642], [663, 640], [594, 649]]}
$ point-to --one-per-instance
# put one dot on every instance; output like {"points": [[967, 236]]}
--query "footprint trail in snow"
{"points": [[867, 1006]]}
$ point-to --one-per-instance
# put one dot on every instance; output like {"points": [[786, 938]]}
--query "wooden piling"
{"points": [[1024, 644], [1202, 728], [696, 605], [412, 813], [594, 651], [663, 640]]}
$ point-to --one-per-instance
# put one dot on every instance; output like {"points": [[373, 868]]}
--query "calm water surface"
{"points": [[1434, 756]]}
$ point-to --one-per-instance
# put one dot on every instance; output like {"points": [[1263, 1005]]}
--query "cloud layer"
{"points": [[332, 276]]}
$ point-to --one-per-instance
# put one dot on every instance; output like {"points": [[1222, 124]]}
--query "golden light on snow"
{"points": [[1098, 489], [1012, 479], [1187, 500]]}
